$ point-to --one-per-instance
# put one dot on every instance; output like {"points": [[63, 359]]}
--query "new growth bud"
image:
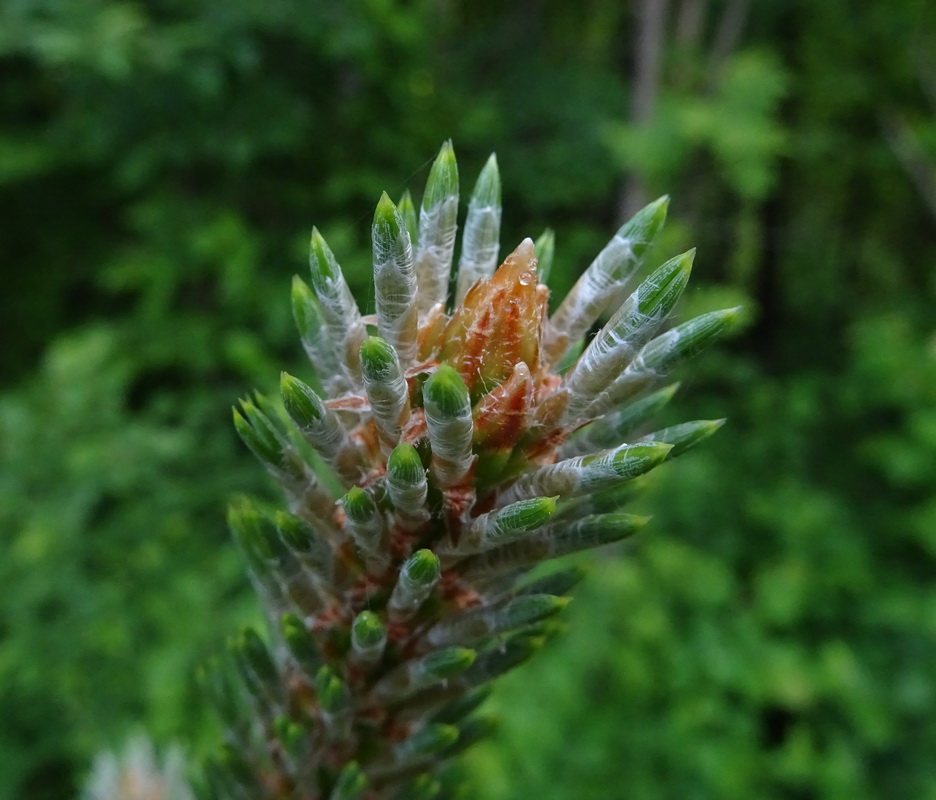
{"points": [[481, 239], [418, 578], [429, 472], [368, 639], [448, 418], [395, 285], [386, 388], [364, 520], [407, 485], [437, 225], [499, 325]]}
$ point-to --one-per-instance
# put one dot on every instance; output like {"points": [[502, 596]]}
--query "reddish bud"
{"points": [[499, 325]]}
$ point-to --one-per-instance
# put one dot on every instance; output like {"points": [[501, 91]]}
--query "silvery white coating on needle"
{"points": [[438, 221], [395, 288], [339, 308], [601, 282], [481, 237], [631, 327]]}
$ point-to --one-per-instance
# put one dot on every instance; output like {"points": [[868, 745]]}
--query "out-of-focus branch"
{"points": [[727, 35], [926, 71], [689, 22], [651, 23], [917, 163]]}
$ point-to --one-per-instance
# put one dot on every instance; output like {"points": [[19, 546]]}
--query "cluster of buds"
{"points": [[444, 449]]}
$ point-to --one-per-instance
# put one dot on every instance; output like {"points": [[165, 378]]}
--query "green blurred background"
{"points": [[771, 635]]}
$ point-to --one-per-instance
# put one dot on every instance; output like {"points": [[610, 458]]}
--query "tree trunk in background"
{"points": [[651, 21], [727, 36]]}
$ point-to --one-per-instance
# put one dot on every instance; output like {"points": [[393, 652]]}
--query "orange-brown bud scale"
{"points": [[458, 502], [429, 330], [501, 418], [456, 593], [502, 415], [499, 325]]}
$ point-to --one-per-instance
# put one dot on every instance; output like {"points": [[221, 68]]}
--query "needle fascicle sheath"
{"points": [[604, 279], [481, 237], [689, 339], [266, 559], [270, 443], [331, 690], [470, 732], [291, 735], [309, 549], [604, 501], [438, 221], [558, 583], [395, 287], [448, 418], [214, 679], [266, 441], [334, 703], [493, 663], [459, 709], [386, 388]]}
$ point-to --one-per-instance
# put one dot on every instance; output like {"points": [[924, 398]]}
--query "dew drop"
{"points": [[527, 277]]}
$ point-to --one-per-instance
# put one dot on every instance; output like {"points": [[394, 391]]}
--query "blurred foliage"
{"points": [[118, 577], [772, 642], [161, 164]]}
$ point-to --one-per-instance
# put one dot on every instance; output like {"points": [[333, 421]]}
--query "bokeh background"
{"points": [[771, 635]]}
